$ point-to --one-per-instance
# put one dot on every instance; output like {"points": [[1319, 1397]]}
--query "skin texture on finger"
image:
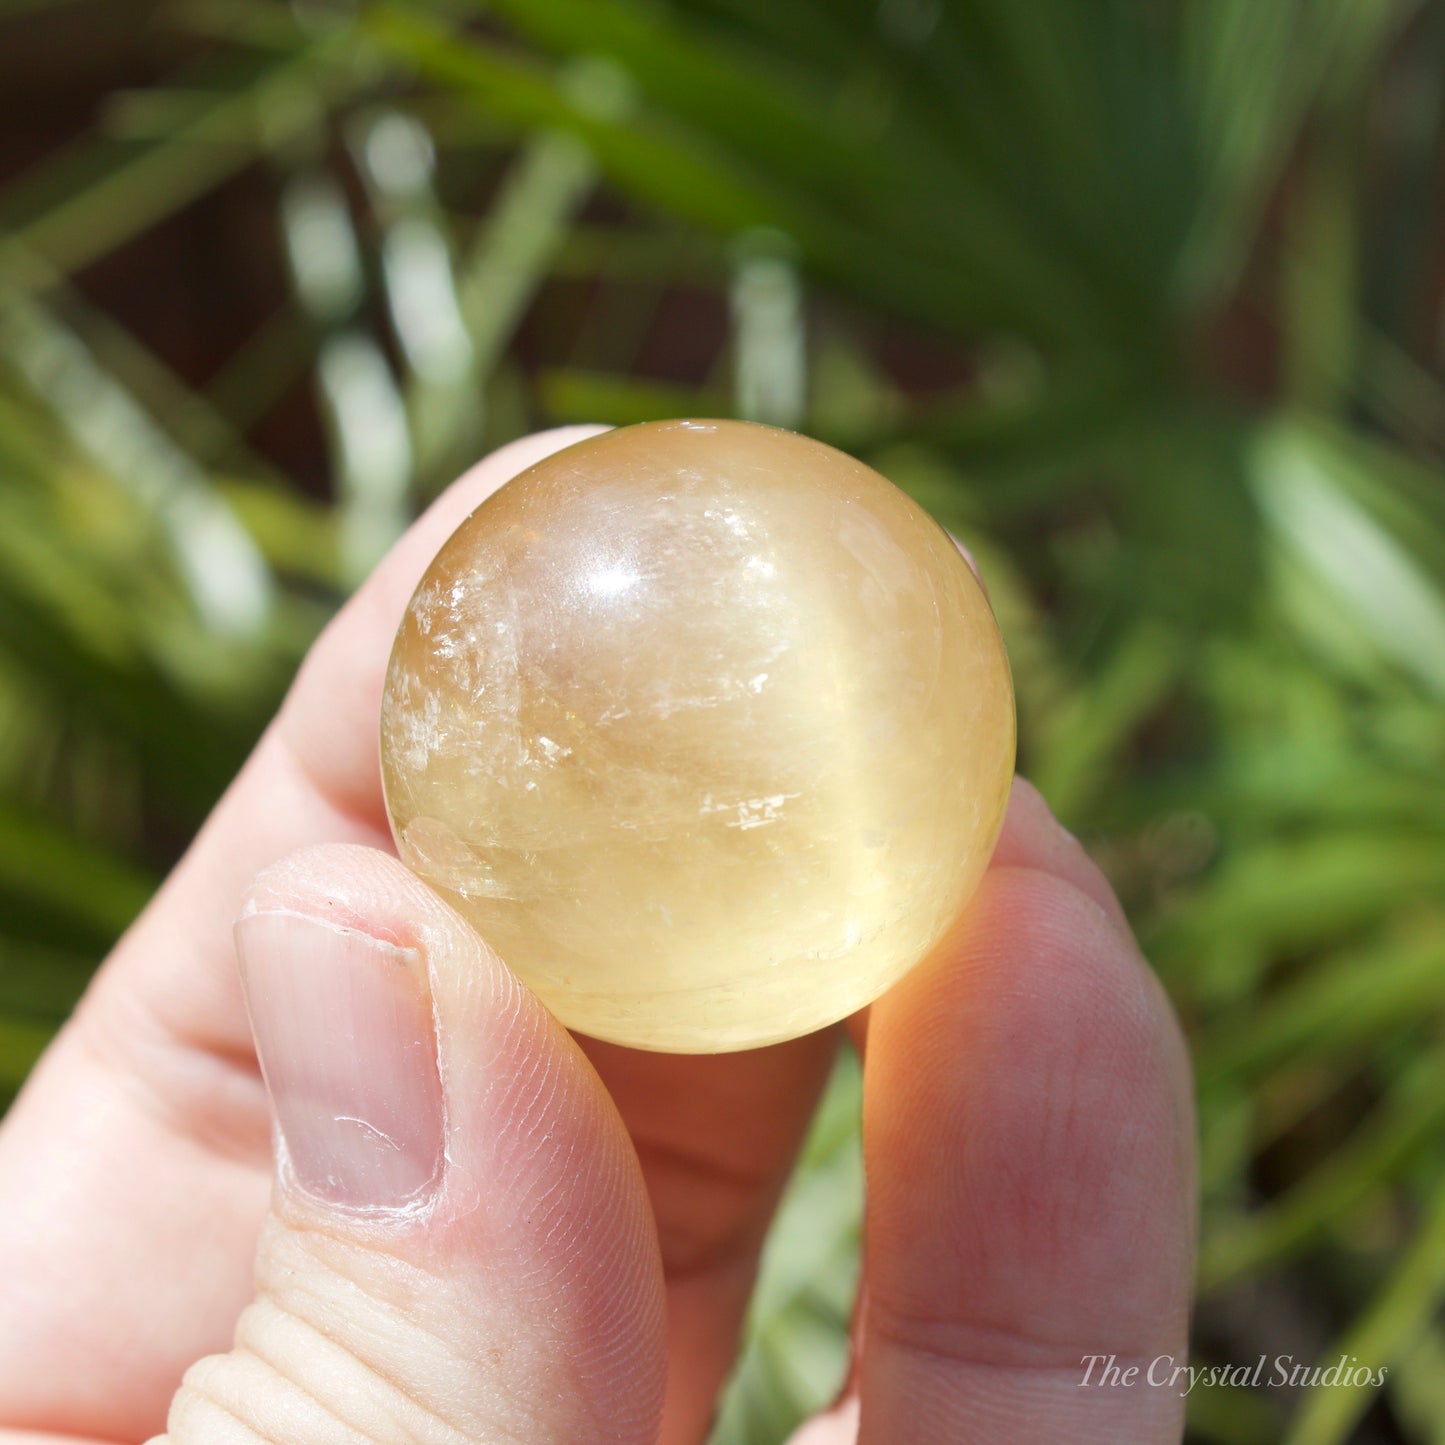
{"points": [[512, 1290], [150, 1099], [1029, 1147]]}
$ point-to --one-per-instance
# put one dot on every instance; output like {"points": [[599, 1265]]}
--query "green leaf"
{"points": [[1405, 1124], [41, 863], [128, 198], [975, 277], [1390, 1323]]}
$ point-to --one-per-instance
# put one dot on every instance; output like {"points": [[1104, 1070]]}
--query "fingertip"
{"points": [[1029, 1145], [1032, 837], [1033, 1042], [326, 878]]}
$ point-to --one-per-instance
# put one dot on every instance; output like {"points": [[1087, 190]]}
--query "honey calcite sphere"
{"points": [[706, 727]]}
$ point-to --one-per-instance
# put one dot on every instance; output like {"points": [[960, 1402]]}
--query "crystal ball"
{"points": [[706, 727]]}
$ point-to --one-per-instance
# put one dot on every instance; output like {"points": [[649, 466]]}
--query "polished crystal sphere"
{"points": [[706, 727]]}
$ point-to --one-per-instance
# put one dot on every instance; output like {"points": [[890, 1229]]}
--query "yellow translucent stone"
{"points": [[706, 727]]}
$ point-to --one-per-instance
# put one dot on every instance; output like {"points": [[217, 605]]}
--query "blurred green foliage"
{"points": [[1176, 271]]}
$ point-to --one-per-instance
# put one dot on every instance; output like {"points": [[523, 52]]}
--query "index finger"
{"points": [[1029, 1145]]}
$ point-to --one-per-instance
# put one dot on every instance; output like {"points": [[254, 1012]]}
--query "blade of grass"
{"points": [[797, 1346], [518, 245], [788, 125], [186, 415], [1369, 570], [1410, 1119], [1320, 302], [1290, 894], [131, 197], [769, 343], [1255, 71], [1390, 1322], [228, 579], [42, 862], [1334, 1011], [1081, 754], [1417, 1388]]}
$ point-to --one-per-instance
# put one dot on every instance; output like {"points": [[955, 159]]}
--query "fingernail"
{"points": [[344, 1032], [972, 563]]}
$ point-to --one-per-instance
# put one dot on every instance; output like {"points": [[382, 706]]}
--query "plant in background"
{"points": [[1145, 300]]}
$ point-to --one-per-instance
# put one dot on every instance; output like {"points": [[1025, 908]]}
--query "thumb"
{"points": [[459, 1246]]}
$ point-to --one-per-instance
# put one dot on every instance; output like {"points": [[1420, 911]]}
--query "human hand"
{"points": [[482, 1230]]}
